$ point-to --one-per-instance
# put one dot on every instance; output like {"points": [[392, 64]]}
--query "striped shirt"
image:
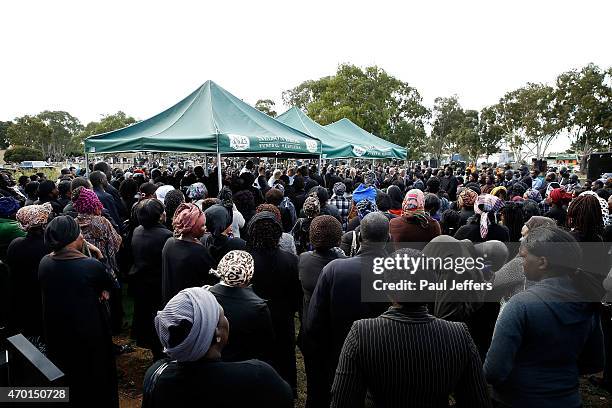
{"points": [[408, 358]]}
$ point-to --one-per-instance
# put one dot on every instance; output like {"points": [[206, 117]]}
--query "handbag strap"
{"points": [[148, 393]]}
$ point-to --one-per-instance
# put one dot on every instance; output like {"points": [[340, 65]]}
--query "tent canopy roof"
{"points": [[365, 139], [334, 145], [209, 120]]}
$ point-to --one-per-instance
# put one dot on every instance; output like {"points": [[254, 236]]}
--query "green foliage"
{"points": [[52, 132], [4, 143], [266, 106], [108, 123], [585, 104], [17, 154], [448, 116], [370, 97]]}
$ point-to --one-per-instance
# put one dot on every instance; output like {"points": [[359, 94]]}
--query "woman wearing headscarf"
{"points": [[415, 225], [483, 226], [500, 192], [75, 320], [194, 331], [532, 194], [465, 203], [238, 221], [98, 231], [286, 242], [252, 331], [218, 238], [547, 336], [197, 193], [558, 199], [396, 200], [185, 260], [276, 280], [22, 258], [9, 228], [301, 229], [148, 241]]}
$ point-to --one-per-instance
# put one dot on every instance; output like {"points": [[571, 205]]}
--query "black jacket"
{"points": [[23, 257], [276, 281], [471, 231], [252, 334]]}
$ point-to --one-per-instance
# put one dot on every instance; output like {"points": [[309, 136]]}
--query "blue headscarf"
{"points": [[8, 207]]}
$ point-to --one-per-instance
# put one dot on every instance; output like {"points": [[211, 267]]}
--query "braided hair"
{"points": [[264, 233], [514, 219], [584, 215]]}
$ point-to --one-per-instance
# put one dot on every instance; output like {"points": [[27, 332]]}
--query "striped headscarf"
{"points": [[533, 194], [200, 308], [485, 204]]}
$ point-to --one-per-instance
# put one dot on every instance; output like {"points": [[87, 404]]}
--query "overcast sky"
{"points": [[95, 57]]}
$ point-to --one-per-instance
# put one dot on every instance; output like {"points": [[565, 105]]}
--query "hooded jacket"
{"points": [[545, 338]]}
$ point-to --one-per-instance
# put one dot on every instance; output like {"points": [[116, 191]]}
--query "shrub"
{"points": [[18, 154]]}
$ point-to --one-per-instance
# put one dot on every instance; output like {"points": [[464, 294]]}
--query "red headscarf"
{"points": [[188, 219], [560, 196]]}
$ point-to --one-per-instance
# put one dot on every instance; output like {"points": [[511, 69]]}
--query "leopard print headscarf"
{"points": [[236, 268]]}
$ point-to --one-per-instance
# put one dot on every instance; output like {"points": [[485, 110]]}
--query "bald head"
{"points": [[374, 227]]}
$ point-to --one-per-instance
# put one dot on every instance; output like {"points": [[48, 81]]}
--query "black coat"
{"points": [[252, 334], [77, 328], [218, 384], [23, 257], [276, 281], [146, 281], [185, 264], [221, 245], [335, 304], [472, 232]]}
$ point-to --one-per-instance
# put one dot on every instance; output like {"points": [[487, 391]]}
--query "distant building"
{"points": [[563, 159]]}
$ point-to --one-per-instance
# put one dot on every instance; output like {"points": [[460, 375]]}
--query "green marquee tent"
{"points": [[335, 145], [210, 120], [366, 140]]}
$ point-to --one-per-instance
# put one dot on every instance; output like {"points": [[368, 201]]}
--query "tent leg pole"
{"points": [[276, 163], [220, 181], [205, 165], [86, 165], [320, 164]]}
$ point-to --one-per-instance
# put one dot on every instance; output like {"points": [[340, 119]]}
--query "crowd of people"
{"points": [[227, 283]]}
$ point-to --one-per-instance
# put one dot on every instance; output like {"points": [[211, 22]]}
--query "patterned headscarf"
{"points": [[533, 194], [339, 189], [85, 201], [605, 212], [196, 191], [485, 204], [414, 201], [33, 216], [467, 198], [312, 206], [8, 206], [413, 206], [236, 268], [188, 218], [364, 207], [200, 308]]}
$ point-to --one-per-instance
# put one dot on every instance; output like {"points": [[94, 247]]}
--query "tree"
{"points": [[530, 119], [266, 106], [490, 133], [64, 129], [108, 123], [30, 131], [370, 97], [585, 104], [17, 154], [448, 118], [4, 143]]}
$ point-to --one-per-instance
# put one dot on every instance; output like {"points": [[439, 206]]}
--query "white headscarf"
{"points": [[199, 307]]}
